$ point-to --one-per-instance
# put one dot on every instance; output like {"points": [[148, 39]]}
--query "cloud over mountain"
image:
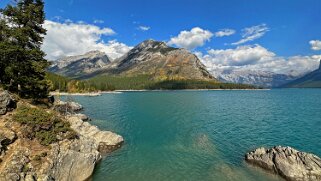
{"points": [[256, 57], [252, 33], [315, 44], [196, 37], [68, 38]]}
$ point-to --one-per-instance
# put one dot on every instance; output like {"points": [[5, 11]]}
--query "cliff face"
{"points": [[66, 160]]}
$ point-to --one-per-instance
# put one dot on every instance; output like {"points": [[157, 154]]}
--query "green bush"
{"points": [[42, 125]]}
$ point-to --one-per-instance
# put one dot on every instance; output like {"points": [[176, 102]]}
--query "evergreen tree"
{"points": [[22, 62]]}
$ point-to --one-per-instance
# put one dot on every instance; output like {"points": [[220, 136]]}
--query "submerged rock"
{"points": [[287, 162], [7, 103]]}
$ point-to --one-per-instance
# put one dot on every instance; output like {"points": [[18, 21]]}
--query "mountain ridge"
{"points": [[310, 80], [254, 77], [150, 57], [73, 66]]}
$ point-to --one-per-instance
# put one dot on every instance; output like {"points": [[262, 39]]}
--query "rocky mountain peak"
{"points": [[150, 45], [80, 64]]}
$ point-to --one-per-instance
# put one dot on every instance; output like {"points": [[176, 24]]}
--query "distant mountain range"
{"points": [[150, 57], [161, 62], [253, 77], [310, 80]]}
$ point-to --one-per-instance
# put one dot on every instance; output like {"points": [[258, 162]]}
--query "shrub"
{"points": [[43, 125]]}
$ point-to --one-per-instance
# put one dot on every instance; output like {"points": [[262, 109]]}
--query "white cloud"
{"points": [[252, 33], [256, 57], [143, 28], [98, 21], [225, 32], [191, 39], [66, 39], [315, 44]]}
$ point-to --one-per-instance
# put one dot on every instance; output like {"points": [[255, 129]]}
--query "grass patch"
{"points": [[45, 126]]}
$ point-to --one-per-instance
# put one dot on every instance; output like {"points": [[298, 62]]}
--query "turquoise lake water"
{"points": [[202, 135]]}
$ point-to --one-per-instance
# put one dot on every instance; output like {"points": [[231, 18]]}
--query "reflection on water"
{"points": [[202, 135]]}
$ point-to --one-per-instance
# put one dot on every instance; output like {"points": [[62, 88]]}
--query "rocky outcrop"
{"points": [[76, 159], [7, 103], [105, 140], [73, 160], [287, 162], [22, 159], [67, 107]]}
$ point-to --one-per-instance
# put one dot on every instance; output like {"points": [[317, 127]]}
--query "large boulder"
{"points": [[107, 141], [287, 162], [7, 103], [73, 160]]}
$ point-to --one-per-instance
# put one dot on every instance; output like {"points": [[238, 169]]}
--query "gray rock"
{"points": [[67, 107], [74, 160], [83, 117], [287, 162], [107, 141], [7, 103]]}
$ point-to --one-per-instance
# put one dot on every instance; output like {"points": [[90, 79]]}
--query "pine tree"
{"points": [[22, 62]]}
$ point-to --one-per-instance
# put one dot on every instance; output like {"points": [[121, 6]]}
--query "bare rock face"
{"points": [[107, 141], [73, 160], [7, 103], [287, 162]]}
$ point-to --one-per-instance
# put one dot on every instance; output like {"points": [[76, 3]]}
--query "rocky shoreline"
{"points": [[67, 160]]}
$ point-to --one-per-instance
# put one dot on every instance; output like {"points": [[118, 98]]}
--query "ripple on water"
{"points": [[202, 135]]}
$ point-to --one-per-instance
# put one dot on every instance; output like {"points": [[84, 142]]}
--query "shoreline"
{"points": [[94, 94]]}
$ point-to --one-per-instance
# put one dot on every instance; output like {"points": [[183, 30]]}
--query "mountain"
{"points": [[75, 66], [310, 80], [157, 60], [253, 77]]}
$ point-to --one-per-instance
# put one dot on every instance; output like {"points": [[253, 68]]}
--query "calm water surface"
{"points": [[202, 135]]}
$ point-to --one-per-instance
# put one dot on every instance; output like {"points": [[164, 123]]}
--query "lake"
{"points": [[202, 135]]}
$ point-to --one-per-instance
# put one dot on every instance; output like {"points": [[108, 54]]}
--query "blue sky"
{"points": [[289, 24]]}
